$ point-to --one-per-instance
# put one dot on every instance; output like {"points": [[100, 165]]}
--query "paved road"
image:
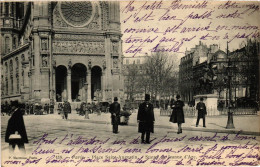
{"points": [[178, 145]]}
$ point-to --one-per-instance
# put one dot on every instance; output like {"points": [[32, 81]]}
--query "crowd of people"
{"points": [[28, 108], [16, 131]]}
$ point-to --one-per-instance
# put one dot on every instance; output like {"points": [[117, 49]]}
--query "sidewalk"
{"points": [[244, 124]]}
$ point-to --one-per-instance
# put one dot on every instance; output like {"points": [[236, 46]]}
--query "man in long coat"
{"points": [[115, 111], [16, 125], [145, 117], [202, 111], [66, 109], [177, 113]]}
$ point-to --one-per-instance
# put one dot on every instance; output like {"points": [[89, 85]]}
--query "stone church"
{"points": [[61, 51]]}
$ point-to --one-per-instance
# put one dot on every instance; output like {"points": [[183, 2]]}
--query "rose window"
{"points": [[77, 14]]}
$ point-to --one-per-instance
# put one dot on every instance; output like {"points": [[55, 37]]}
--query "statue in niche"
{"points": [[44, 44], [115, 63], [104, 65], [44, 61], [70, 64], [115, 47], [89, 64]]}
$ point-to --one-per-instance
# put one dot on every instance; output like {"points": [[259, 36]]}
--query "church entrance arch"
{"points": [[78, 82], [96, 73], [61, 83]]}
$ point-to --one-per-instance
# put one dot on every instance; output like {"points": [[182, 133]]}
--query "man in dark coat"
{"points": [[145, 117], [16, 125], [177, 113], [46, 108], [114, 109], [66, 109], [202, 111], [52, 107]]}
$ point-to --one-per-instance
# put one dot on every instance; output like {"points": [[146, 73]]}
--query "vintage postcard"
{"points": [[130, 83]]}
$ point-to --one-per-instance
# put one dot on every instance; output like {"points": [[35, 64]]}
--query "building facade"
{"points": [[61, 51], [204, 64], [134, 74]]}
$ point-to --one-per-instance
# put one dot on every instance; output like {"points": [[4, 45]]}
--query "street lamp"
{"points": [[230, 124]]}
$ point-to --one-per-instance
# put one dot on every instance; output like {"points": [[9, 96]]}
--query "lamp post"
{"points": [[230, 124]]}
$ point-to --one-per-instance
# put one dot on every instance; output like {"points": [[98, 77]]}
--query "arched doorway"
{"points": [[78, 82], [61, 83], [96, 73]]}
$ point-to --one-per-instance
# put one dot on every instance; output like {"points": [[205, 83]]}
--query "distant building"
{"points": [[133, 71], [196, 63]]}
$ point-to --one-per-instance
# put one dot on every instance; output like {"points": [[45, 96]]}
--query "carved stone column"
{"points": [[103, 85], [37, 74], [69, 85], [89, 86]]}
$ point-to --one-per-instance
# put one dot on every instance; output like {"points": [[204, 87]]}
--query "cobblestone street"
{"points": [[183, 145]]}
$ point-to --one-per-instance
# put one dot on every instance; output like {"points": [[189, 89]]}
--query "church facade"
{"points": [[61, 51]]}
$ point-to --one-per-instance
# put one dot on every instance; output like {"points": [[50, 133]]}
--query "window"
{"points": [[6, 8], [12, 84], [7, 44], [14, 43], [17, 63], [11, 66], [6, 78]]}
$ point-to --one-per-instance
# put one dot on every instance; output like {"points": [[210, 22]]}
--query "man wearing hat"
{"points": [[145, 117], [16, 132], [177, 113], [114, 109], [202, 111]]}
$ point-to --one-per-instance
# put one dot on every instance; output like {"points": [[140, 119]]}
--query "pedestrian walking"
{"points": [[60, 110], [16, 132], [145, 117], [177, 113], [202, 111], [66, 109], [46, 108], [52, 107], [114, 109]]}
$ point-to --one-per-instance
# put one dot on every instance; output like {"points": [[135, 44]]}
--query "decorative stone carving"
{"points": [[77, 14], [44, 44], [78, 47], [79, 37], [29, 74], [70, 64], [104, 65], [115, 46], [45, 61], [89, 64], [115, 63], [104, 14], [72, 18]]}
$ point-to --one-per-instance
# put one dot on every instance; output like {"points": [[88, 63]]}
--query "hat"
{"points": [[147, 97], [115, 99]]}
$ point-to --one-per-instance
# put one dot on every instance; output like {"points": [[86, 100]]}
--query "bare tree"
{"points": [[131, 81], [159, 68]]}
